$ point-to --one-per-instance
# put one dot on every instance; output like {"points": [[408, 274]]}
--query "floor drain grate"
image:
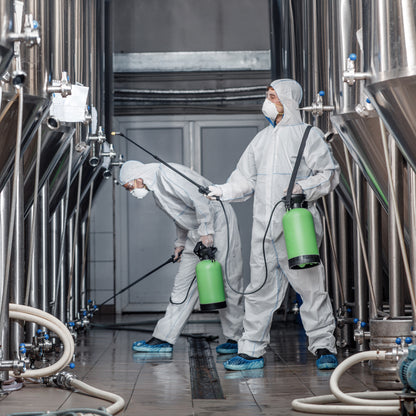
{"points": [[205, 383]]}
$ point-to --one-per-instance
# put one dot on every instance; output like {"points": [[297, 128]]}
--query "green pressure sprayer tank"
{"points": [[209, 279], [299, 233]]}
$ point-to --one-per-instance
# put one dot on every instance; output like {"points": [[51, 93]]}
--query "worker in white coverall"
{"points": [[196, 219], [264, 170]]}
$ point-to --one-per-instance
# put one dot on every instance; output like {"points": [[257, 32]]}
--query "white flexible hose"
{"points": [[344, 366], [27, 313], [357, 403], [105, 395], [61, 363], [319, 405]]}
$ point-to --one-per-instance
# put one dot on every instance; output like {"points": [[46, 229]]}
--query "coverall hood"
{"points": [[290, 95], [134, 169]]}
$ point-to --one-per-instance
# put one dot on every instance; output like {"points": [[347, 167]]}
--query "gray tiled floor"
{"points": [[160, 385]]}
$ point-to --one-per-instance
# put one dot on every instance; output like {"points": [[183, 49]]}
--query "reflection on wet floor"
{"points": [[161, 384]]}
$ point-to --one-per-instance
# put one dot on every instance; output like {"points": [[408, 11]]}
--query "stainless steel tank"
{"points": [[71, 33], [383, 337], [33, 110], [389, 38], [54, 143], [6, 49], [37, 58], [360, 132]]}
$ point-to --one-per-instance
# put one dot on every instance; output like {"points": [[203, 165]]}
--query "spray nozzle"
{"points": [[205, 253], [203, 190], [295, 201]]}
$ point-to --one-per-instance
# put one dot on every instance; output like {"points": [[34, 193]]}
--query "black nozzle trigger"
{"points": [[203, 190]]}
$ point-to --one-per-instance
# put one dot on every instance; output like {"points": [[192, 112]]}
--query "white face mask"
{"points": [[270, 111], [139, 193]]}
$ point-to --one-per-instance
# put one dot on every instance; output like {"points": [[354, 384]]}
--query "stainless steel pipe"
{"points": [[395, 257], [360, 281], [374, 249], [5, 200]]}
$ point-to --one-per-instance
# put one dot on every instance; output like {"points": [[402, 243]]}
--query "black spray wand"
{"points": [[202, 189], [172, 259]]}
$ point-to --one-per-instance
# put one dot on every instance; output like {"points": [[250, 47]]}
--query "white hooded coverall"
{"points": [[265, 169], [194, 216]]}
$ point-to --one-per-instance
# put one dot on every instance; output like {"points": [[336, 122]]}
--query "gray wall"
{"points": [[145, 235], [101, 248], [190, 25]]}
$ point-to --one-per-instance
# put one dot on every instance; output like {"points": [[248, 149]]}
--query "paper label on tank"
{"points": [[94, 120], [72, 108]]}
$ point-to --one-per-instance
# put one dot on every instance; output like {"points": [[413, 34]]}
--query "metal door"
{"points": [[145, 235]]}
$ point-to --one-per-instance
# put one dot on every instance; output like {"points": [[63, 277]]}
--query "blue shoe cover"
{"points": [[141, 346], [239, 363], [327, 362], [152, 357], [227, 348]]}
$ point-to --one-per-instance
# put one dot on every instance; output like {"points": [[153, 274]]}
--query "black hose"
{"points": [[264, 253], [202, 189], [186, 297]]}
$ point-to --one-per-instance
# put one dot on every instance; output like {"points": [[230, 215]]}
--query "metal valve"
{"points": [[99, 137], [64, 379], [360, 335], [365, 109], [116, 163], [111, 153], [17, 366], [92, 308], [30, 33], [317, 108], [62, 87], [119, 162], [93, 139], [350, 76]]}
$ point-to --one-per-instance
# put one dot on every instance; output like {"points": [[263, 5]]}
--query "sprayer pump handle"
{"points": [[203, 252]]}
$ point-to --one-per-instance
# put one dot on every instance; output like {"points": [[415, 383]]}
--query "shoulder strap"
{"points": [[296, 167]]}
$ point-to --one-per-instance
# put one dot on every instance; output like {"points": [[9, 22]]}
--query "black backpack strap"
{"points": [[296, 167]]}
